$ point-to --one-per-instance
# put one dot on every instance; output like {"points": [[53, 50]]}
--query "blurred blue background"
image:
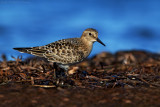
{"points": [[122, 24]]}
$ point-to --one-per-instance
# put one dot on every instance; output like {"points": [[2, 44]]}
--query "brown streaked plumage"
{"points": [[66, 51]]}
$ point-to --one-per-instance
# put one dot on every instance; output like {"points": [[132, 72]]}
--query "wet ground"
{"points": [[126, 78]]}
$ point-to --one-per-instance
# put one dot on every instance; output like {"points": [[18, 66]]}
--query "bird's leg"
{"points": [[55, 69]]}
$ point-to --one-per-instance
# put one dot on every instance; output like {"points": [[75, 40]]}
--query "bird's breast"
{"points": [[87, 48]]}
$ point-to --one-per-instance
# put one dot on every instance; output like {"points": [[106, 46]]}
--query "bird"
{"points": [[66, 52]]}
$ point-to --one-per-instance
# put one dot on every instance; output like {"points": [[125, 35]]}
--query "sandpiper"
{"points": [[66, 52]]}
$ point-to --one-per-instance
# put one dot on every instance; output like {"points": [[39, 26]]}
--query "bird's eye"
{"points": [[90, 34]]}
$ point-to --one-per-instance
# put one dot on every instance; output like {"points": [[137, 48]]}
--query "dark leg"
{"points": [[55, 69]]}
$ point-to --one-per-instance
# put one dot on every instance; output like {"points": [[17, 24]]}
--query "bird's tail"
{"points": [[32, 50], [23, 50]]}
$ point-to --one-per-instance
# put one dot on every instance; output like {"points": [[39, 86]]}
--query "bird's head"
{"points": [[91, 35]]}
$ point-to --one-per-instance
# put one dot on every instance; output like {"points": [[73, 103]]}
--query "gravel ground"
{"points": [[126, 78]]}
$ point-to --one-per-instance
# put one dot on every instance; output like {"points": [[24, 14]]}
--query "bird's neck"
{"points": [[88, 46]]}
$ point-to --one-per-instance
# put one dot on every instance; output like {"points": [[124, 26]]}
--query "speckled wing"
{"points": [[65, 51]]}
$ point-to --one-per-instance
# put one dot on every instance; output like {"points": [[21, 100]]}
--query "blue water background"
{"points": [[122, 24]]}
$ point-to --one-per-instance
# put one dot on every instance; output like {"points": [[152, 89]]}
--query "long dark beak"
{"points": [[98, 40]]}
